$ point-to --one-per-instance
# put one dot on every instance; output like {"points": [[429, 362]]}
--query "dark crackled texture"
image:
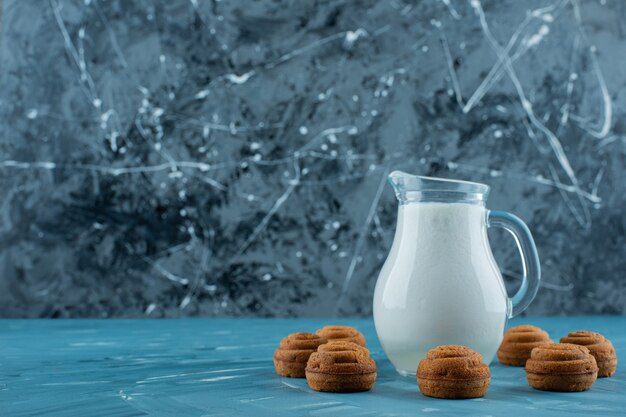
{"points": [[171, 158]]}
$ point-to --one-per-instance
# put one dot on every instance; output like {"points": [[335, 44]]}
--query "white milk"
{"points": [[440, 285]]}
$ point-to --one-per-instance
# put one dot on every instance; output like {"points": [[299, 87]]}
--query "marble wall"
{"points": [[169, 158]]}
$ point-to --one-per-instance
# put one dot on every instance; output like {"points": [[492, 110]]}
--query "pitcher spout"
{"points": [[402, 181], [416, 188]]}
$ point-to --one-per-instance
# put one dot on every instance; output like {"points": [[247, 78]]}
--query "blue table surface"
{"points": [[206, 367]]}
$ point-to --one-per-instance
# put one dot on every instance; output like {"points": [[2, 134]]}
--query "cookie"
{"points": [[343, 334], [518, 342], [453, 371], [293, 353], [341, 366], [599, 346], [561, 367]]}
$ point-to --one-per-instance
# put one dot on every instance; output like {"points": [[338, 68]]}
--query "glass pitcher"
{"points": [[440, 284]]}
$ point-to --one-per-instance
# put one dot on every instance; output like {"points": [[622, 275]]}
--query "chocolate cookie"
{"points": [[599, 346], [291, 357], [561, 367], [342, 333], [341, 367], [453, 371], [518, 342]]}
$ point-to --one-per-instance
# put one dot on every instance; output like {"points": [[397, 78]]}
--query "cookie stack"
{"points": [[293, 353], [341, 367], [599, 346], [334, 359], [561, 367], [453, 371], [518, 342]]}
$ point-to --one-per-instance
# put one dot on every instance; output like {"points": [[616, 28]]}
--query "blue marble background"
{"points": [[168, 158]]}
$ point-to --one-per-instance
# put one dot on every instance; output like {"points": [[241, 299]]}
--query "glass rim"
{"points": [[409, 187]]}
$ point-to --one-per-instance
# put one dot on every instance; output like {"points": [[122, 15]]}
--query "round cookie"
{"points": [[518, 342], [293, 353], [453, 371], [341, 366], [599, 346], [561, 367], [342, 333]]}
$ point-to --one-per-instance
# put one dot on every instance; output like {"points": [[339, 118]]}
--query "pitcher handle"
{"points": [[531, 270]]}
